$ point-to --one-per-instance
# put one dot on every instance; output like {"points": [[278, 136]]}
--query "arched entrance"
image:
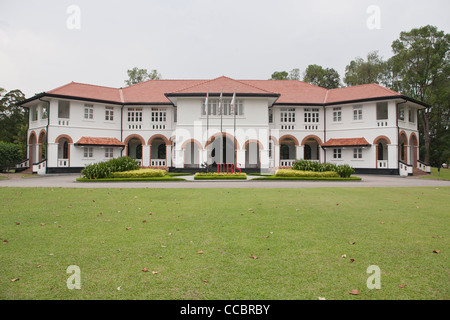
{"points": [[32, 155], [64, 142], [403, 147], [252, 154], [134, 145], [191, 153], [382, 154], [288, 151], [414, 145], [311, 148], [42, 142], [221, 149]]}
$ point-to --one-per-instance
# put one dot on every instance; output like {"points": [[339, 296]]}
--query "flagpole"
{"points": [[234, 128], [207, 127], [221, 111]]}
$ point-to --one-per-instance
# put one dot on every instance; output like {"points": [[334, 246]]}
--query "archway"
{"points": [[414, 144], [252, 153], [191, 153], [382, 153], [64, 142], [221, 149]]}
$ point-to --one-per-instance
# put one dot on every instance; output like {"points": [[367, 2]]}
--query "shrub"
{"points": [[104, 169], [344, 170], [140, 173], [308, 165], [301, 173], [9, 155]]}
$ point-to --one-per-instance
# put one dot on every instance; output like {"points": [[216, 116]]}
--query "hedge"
{"points": [[343, 170], [104, 169], [9, 155], [148, 179], [219, 176], [140, 173], [309, 178], [298, 173]]}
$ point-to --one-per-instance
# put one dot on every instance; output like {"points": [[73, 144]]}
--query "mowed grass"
{"points": [[443, 174], [224, 243]]}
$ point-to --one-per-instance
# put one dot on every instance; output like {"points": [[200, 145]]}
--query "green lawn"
{"points": [[200, 243], [444, 174]]}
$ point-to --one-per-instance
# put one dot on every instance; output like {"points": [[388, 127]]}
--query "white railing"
{"points": [[63, 122], [135, 126], [382, 164], [311, 127], [39, 168], [23, 164], [63, 162], [287, 127], [382, 123], [158, 126], [158, 162], [405, 169], [422, 166], [286, 163]]}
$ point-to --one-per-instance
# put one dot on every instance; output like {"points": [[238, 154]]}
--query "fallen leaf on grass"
{"points": [[436, 251], [199, 252], [154, 272], [5, 241], [145, 270], [402, 285], [351, 260], [128, 228], [15, 279], [344, 256], [355, 292], [322, 298], [253, 256], [351, 242]]}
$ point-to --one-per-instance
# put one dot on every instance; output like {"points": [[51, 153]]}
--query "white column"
{"points": [[179, 158], [146, 155], [240, 158], [392, 156], [276, 155], [168, 155], [299, 153], [52, 160], [264, 159]]}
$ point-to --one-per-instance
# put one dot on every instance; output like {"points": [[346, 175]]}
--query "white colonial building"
{"points": [[275, 122]]}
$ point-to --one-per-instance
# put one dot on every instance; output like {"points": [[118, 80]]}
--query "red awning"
{"points": [[346, 142], [101, 142]]}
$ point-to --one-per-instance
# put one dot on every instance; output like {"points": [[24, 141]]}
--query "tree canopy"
{"points": [[137, 75], [323, 77]]}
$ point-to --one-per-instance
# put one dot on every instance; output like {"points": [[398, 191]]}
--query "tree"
{"points": [[137, 75], [279, 75], [294, 74], [326, 78], [13, 118], [9, 155], [421, 60], [374, 70]]}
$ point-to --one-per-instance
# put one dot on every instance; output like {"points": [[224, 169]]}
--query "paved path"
{"points": [[68, 181]]}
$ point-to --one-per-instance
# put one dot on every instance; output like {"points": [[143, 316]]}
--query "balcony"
{"points": [[382, 123], [286, 163], [158, 162], [382, 164], [63, 162]]}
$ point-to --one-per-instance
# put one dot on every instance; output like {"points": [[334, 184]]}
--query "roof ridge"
{"points": [[250, 85], [64, 85], [197, 84]]}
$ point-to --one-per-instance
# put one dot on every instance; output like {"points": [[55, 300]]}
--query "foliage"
{"points": [[219, 176], [373, 70], [13, 119], [343, 170], [327, 78], [300, 173], [140, 173], [9, 155], [294, 74], [137, 75], [106, 168]]}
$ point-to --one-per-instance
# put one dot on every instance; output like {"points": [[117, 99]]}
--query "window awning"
{"points": [[99, 142], [346, 142]]}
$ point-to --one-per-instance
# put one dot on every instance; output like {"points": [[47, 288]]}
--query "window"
{"points": [[109, 113], [213, 108], [312, 115], [270, 115], [412, 117], [63, 109], [337, 114], [175, 114], [89, 111], [357, 153], [88, 152], [34, 113], [401, 113], [382, 110], [158, 115], [357, 113], [287, 115], [270, 149], [109, 153], [134, 114], [337, 153], [44, 114]]}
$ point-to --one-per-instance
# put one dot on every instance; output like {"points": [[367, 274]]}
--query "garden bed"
{"points": [[219, 176]]}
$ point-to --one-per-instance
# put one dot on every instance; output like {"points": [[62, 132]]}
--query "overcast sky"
{"points": [[45, 44]]}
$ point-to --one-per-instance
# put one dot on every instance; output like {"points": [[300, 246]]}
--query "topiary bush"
{"points": [[344, 170], [104, 169]]}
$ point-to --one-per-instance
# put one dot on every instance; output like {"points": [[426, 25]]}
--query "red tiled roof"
{"points": [[290, 91], [100, 142], [346, 142]]}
